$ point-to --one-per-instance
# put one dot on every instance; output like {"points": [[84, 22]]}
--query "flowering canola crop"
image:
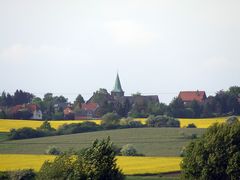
{"points": [[129, 165], [7, 125], [200, 122]]}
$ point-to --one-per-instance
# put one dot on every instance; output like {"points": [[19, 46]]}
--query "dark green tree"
{"points": [[96, 162], [176, 108], [216, 155], [162, 121], [104, 100], [196, 108], [78, 101], [21, 97]]}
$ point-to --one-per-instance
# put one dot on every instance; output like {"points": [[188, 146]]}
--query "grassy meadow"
{"points": [[129, 165], [149, 141]]}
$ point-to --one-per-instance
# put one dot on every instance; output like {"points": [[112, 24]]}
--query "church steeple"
{"points": [[117, 90]]}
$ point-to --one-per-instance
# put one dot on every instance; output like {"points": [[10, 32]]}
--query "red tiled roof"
{"points": [[89, 106], [188, 96], [30, 107]]}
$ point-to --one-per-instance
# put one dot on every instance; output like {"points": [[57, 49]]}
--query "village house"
{"points": [[68, 113], [87, 111], [32, 108], [189, 96]]}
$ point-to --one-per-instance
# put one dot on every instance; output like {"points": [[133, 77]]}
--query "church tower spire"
{"points": [[117, 90]]}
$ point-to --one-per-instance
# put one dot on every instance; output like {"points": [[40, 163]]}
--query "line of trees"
{"points": [[224, 103]]}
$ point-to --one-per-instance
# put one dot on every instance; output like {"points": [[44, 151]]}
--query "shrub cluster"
{"points": [[25, 174], [96, 162], [216, 155], [78, 128], [26, 132], [162, 121], [128, 150], [53, 150]]}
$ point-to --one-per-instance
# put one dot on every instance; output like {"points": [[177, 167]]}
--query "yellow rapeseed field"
{"points": [[7, 125], [129, 165], [200, 122]]}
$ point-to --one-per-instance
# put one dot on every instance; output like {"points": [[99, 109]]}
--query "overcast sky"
{"points": [[157, 46]]}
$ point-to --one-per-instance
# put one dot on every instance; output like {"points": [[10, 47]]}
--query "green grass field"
{"points": [[3, 136], [149, 141]]}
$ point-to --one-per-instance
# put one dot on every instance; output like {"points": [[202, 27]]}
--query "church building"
{"points": [[118, 94]]}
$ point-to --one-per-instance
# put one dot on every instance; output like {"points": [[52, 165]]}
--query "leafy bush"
{"points": [[162, 121], [96, 162], [24, 133], [63, 167], [128, 150], [188, 136], [53, 150], [110, 121], [192, 125], [78, 128], [130, 123], [4, 175], [26, 174], [46, 126], [216, 155], [232, 119]]}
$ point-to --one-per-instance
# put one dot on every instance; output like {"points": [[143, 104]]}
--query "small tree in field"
{"points": [[96, 162], [110, 120], [216, 155], [232, 119], [128, 150]]}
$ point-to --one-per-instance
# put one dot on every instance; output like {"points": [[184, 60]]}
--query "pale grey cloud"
{"points": [[128, 33], [158, 46]]}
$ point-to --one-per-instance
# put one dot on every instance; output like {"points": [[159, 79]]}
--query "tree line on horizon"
{"points": [[223, 103]]}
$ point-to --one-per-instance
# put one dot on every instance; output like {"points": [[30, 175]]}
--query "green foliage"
{"points": [[104, 100], [2, 114], [176, 108], [216, 155], [26, 174], [162, 121], [53, 150], [78, 128], [110, 120], [25, 133], [129, 150], [130, 123], [46, 126], [79, 100], [58, 116], [232, 119], [100, 161], [192, 125], [63, 167], [4, 176], [96, 162]]}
